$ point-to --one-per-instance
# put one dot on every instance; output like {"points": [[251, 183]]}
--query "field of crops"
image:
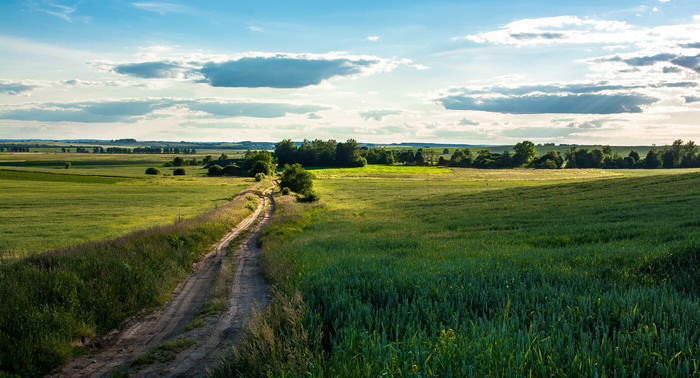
{"points": [[482, 273], [44, 206]]}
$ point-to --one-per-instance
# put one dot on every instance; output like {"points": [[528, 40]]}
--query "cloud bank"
{"points": [[593, 98], [130, 111], [259, 70]]}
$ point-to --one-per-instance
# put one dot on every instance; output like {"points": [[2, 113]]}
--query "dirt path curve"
{"points": [[141, 335]]}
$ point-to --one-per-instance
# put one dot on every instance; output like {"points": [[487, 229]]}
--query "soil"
{"points": [[139, 335]]}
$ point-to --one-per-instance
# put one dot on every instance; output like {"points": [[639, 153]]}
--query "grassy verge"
{"points": [[53, 301], [460, 277]]}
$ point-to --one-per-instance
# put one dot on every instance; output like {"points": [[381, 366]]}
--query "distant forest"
{"points": [[319, 153]]}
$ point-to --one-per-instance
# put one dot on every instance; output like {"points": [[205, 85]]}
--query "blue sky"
{"points": [[623, 72]]}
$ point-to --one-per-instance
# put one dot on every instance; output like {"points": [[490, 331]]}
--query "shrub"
{"points": [[259, 176], [152, 171], [179, 172], [178, 162], [231, 170], [215, 170], [67, 164], [309, 196], [285, 191], [296, 178]]}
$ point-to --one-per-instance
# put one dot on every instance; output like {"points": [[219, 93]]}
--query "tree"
{"points": [[261, 167], [223, 157], [179, 172], [550, 160], [215, 170], [178, 161], [285, 152], [67, 164], [152, 171], [524, 153], [652, 161], [690, 154], [597, 157], [207, 159], [446, 151], [347, 154], [297, 179], [634, 155]]}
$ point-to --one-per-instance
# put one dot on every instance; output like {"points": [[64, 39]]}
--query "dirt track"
{"points": [[140, 335]]}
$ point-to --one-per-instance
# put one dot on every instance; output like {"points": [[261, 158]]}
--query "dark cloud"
{"points": [[313, 116], [680, 84], [279, 72], [690, 62], [468, 122], [536, 104], [149, 70], [529, 89], [695, 45], [133, 110], [377, 115], [258, 110], [15, 88], [530, 36], [684, 61], [648, 60], [691, 99]]}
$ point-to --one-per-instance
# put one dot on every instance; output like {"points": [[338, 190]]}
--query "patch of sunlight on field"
{"points": [[382, 170], [39, 213]]}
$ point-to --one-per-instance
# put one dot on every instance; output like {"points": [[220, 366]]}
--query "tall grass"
{"points": [[54, 302], [414, 278]]}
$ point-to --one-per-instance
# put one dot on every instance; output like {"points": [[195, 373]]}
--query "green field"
{"points": [[483, 273], [45, 206], [83, 248]]}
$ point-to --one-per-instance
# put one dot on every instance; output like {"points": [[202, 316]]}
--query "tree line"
{"points": [[319, 153], [135, 150], [677, 155]]}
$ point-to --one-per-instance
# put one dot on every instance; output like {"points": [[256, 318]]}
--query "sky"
{"points": [[470, 72]]}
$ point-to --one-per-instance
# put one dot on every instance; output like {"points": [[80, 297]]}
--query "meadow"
{"points": [[80, 252], [482, 273], [45, 206]]}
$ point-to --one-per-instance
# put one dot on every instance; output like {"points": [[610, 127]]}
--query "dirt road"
{"points": [[141, 335]]}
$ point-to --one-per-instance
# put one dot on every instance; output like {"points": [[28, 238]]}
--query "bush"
{"points": [[310, 196], [231, 170], [215, 170], [296, 178], [67, 164], [179, 172], [152, 171], [259, 176], [285, 191]]}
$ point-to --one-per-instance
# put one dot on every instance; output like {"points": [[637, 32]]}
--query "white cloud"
{"points": [[372, 38], [257, 29], [576, 30]]}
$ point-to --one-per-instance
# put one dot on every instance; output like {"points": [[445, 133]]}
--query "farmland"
{"points": [[477, 273], [44, 206], [82, 250]]}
